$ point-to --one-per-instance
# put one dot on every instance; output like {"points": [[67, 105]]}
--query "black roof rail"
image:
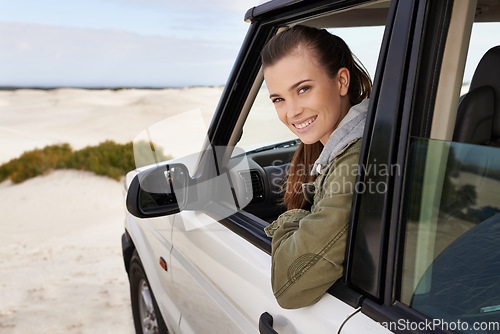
{"points": [[253, 12]]}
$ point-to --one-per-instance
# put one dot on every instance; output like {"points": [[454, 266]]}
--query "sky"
{"points": [[142, 43], [120, 43]]}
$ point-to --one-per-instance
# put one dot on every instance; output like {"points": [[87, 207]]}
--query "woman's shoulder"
{"points": [[346, 161], [350, 151]]}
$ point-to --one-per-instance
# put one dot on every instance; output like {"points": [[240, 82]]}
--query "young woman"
{"points": [[320, 92]]}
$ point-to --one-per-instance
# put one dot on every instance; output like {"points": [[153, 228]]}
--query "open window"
{"points": [[270, 144]]}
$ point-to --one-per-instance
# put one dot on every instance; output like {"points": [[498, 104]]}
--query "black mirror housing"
{"points": [[158, 191]]}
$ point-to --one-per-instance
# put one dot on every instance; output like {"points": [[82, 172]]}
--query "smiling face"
{"points": [[307, 100]]}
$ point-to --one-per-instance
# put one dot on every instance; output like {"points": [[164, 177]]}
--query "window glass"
{"points": [[484, 36], [451, 260], [364, 43], [262, 126]]}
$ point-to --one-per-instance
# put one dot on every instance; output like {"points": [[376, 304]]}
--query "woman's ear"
{"points": [[344, 78]]}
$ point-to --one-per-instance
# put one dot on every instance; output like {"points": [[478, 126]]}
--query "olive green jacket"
{"points": [[308, 247]]}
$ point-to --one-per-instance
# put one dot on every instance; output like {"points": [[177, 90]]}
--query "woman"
{"points": [[320, 92]]}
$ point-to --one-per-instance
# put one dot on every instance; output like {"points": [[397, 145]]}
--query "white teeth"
{"points": [[303, 125]]}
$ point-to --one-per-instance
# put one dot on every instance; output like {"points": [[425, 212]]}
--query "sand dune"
{"points": [[60, 255], [35, 118]]}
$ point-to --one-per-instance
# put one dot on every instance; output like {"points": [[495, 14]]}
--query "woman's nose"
{"points": [[294, 110]]}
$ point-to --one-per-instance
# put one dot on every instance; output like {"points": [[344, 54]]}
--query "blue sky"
{"points": [[120, 42], [141, 43]]}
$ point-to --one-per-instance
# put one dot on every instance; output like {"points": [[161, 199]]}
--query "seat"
{"points": [[462, 282], [478, 116]]}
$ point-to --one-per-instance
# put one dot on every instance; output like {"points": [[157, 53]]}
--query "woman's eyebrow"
{"points": [[292, 87], [298, 84]]}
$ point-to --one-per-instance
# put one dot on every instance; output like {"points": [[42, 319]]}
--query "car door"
{"points": [[221, 266], [152, 236]]}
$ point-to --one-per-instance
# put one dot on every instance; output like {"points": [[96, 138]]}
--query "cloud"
{"points": [[238, 6], [121, 42], [60, 56], [216, 19]]}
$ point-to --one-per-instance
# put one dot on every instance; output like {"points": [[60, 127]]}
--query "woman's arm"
{"points": [[308, 249]]}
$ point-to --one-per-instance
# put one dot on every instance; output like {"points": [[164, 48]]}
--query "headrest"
{"points": [[488, 74], [474, 117]]}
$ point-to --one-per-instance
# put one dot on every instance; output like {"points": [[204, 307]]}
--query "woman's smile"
{"points": [[304, 125]]}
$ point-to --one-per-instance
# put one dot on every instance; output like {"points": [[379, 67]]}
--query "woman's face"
{"points": [[307, 100]]}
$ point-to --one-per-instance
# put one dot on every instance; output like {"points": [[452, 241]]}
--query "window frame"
{"points": [[386, 144], [243, 84]]}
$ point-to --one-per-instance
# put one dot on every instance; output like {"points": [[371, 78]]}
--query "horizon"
{"points": [[146, 44], [9, 88], [120, 43]]}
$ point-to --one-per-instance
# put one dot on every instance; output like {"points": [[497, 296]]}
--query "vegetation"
{"points": [[107, 159]]}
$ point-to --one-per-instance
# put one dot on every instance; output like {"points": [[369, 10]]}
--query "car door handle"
{"points": [[266, 324]]}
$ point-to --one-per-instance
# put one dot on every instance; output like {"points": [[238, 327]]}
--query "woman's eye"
{"points": [[276, 100], [303, 89]]}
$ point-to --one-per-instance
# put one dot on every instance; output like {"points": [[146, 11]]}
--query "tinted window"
{"points": [[451, 260]]}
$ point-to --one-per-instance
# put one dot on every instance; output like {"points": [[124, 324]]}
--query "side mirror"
{"points": [[158, 191], [168, 189]]}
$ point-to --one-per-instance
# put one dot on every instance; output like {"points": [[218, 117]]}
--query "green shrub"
{"points": [[107, 159], [36, 162]]}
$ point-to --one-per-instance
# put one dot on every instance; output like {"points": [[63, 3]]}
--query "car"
{"points": [[422, 254]]}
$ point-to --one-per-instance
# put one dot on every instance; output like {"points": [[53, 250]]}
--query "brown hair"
{"points": [[332, 54]]}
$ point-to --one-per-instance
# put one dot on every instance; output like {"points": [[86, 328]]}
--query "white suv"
{"points": [[422, 254]]}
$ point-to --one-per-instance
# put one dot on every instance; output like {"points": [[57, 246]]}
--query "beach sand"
{"points": [[60, 255], [35, 118]]}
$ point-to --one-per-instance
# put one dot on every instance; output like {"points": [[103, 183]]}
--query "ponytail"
{"points": [[299, 173]]}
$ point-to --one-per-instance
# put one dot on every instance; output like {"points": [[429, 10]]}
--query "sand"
{"points": [[35, 118], [60, 255]]}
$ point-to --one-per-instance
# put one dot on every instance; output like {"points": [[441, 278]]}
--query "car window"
{"points": [[262, 127], [450, 260], [364, 43], [484, 36]]}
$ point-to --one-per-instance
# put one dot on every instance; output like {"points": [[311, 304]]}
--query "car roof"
{"points": [[267, 7], [374, 13]]}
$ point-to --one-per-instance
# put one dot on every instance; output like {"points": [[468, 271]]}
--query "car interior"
{"points": [[478, 116]]}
